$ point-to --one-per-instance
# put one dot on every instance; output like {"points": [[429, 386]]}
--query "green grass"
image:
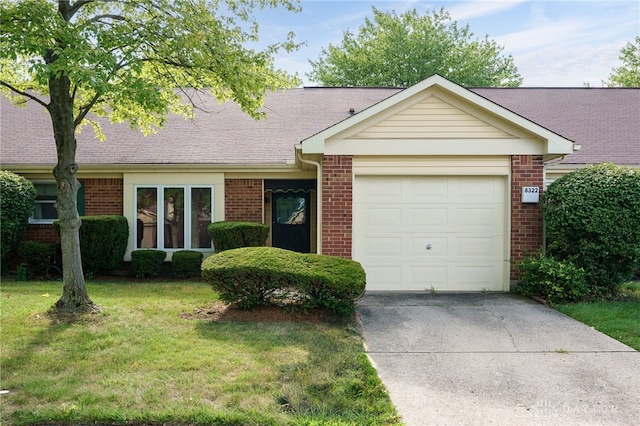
{"points": [[618, 319], [139, 361]]}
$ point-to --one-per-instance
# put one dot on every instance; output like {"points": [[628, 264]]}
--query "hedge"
{"points": [[228, 235], [255, 276], [186, 263], [37, 257], [17, 200], [103, 242], [147, 263], [592, 218]]}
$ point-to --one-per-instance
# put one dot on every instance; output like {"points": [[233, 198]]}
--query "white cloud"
{"points": [[475, 9]]}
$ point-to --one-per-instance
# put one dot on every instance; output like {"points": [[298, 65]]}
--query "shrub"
{"points": [[17, 200], [147, 263], [592, 218], [253, 276], [554, 280], [103, 242], [228, 235], [36, 257], [186, 263]]}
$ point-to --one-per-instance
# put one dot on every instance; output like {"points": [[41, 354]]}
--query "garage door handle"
{"points": [[428, 246]]}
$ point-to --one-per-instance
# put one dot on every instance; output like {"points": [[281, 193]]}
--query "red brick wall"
{"points": [[337, 193], [526, 219], [103, 196], [243, 200]]}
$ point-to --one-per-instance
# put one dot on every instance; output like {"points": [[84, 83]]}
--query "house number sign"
{"points": [[530, 194]]}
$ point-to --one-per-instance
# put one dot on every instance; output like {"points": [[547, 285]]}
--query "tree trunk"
{"points": [[74, 294]]}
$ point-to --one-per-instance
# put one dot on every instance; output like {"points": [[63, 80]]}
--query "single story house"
{"points": [[431, 187]]}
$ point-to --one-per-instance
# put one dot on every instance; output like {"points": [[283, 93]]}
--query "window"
{"points": [[173, 217], [44, 210], [46, 196]]}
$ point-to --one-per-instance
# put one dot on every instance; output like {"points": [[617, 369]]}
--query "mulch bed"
{"points": [[221, 312]]}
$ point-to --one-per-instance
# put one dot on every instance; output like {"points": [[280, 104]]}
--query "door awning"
{"points": [[289, 185]]}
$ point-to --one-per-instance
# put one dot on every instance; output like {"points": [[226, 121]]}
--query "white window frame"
{"points": [[160, 215]]}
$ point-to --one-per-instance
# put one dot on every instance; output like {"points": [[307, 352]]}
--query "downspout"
{"points": [[318, 167]]}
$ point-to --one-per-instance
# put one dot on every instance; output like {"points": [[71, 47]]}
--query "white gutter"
{"points": [[318, 199]]}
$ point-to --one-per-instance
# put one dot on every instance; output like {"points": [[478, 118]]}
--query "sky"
{"points": [[554, 43]]}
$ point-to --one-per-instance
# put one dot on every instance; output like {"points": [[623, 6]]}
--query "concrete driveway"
{"points": [[496, 359]]}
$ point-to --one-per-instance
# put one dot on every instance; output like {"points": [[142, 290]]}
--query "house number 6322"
{"points": [[531, 190]]}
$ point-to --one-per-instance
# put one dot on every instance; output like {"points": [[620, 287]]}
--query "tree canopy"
{"points": [[627, 75], [127, 60], [401, 50]]}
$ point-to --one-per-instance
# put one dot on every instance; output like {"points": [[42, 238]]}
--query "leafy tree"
{"points": [[17, 199], [627, 75], [125, 60], [401, 50]]}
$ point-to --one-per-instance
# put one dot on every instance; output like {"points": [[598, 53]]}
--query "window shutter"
{"points": [[80, 199]]}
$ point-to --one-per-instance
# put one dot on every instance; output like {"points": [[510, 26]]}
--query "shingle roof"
{"points": [[604, 121]]}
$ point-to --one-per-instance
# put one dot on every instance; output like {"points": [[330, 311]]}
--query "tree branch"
{"points": [[107, 15], [23, 93]]}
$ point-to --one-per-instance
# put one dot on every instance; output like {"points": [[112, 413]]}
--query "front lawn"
{"points": [[618, 319], [146, 360]]}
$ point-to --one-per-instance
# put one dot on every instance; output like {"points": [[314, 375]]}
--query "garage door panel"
{"points": [[477, 277], [478, 247], [382, 246], [384, 277], [462, 219], [428, 277], [439, 246], [420, 218]]}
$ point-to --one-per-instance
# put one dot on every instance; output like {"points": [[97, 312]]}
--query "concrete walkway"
{"points": [[496, 359]]}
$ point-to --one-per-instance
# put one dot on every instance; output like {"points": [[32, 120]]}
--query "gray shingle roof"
{"points": [[604, 121]]}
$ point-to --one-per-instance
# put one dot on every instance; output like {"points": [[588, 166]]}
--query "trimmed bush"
{"points": [[553, 280], [186, 263], [254, 276], [36, 257], [228, 235], [17, 200], [592, 218], [147, 263], [103, 242]]}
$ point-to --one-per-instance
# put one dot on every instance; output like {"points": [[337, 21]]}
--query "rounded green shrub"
{"points": [[255, 275], [554, 280], [228, 235], [36, 257], [186, 263], [103, 242], [17, 200], [147, 263], [592, 218]]}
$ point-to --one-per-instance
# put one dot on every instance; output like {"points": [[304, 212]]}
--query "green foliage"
{"points": [[17, 199], [592, 218], [36, 257], [553, 280], [254, 275], [103, 242], [627, 75], [400, 50], [186, 263], [227, 235], [147, 263]]}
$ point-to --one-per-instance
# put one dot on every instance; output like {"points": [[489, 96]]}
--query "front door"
{"points": [[290, 221]]}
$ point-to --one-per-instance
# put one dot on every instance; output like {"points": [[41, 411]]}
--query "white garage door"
{"points": [[431, 233]]}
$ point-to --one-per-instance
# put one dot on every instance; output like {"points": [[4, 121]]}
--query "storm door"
{"points": [[290, 221]]}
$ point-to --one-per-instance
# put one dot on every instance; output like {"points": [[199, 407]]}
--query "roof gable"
{"points": [[437, 109]]}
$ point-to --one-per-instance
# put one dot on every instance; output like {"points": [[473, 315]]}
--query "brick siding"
{"points": [[101, 196], [243, 200], [526, 219], [337, 193]]}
